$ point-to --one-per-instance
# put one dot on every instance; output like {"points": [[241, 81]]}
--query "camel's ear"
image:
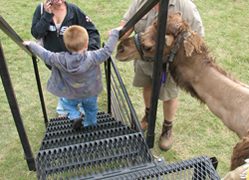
{"points": [[155, 23], [192, 43], [175, 26], [169, 39], [179, 14], [247, 134]]}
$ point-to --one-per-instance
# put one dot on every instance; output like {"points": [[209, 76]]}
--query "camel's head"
{"points": [[127, 49]]}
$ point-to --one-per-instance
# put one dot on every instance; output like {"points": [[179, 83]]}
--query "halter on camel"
{"points": [[168, 58]]}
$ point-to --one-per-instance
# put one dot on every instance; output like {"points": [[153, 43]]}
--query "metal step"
{"points": [[199, 168], [58, 124], [64, 140], [86, 160]]}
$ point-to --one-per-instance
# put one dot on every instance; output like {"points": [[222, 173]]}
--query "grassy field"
{"points": [[196, 132]]}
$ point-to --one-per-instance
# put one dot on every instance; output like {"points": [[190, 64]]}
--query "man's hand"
{"points": [[119, 28]]}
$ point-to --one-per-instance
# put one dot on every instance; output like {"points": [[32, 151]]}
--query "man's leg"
{"points": [[144, 122], [143, 78], [169, 110], [147, 96]]}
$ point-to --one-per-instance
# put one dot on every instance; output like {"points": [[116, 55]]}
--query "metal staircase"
{"points": [[114, 149], [109, 150]]}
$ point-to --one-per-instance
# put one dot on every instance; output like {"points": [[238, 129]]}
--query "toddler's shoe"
{"points": [[82, 114], [77, 123]]}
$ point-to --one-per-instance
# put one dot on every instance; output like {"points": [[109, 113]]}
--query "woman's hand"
{"points": [[48, 6]]}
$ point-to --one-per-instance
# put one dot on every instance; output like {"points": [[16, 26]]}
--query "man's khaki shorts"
{"points": [[143, 78]]}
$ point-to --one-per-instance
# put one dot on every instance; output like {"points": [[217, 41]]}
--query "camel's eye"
{"points": [[147, 49]]}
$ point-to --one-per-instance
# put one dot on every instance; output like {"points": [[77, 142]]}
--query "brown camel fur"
{"points": [[240, 152], [195, 70]]}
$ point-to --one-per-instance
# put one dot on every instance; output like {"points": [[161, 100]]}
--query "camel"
{"points": [[194, 70]]}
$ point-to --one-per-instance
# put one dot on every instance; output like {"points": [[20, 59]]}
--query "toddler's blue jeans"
{"points": [[90, 106], [60, 109]]}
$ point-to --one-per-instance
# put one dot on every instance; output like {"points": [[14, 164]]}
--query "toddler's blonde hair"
{"points": [[75, 38]]}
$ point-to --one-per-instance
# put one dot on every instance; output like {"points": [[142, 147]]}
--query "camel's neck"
{"points": [[223, 96], [214, 88]]}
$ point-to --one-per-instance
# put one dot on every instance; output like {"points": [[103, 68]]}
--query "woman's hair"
{"points": [[75, 38]]}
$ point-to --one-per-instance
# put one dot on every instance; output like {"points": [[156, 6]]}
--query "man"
{"points": [[144, 70]]}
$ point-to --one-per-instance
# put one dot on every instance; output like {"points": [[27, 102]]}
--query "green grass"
{"points": [[196, 130]]}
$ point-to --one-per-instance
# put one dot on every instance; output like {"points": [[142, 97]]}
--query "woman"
{"points": [[51, 23]]}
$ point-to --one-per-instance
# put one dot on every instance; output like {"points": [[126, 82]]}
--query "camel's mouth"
{"points": [[129, 58]]}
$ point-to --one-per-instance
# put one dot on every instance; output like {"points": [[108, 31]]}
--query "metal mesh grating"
{"points": [[86, 137], [92, 158], [60, 133], [67, 130], [57, 124], [199, 168]]}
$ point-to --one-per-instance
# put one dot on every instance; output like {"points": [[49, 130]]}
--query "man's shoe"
{"points": [[144, 122], [77, 123], [166, 137]]}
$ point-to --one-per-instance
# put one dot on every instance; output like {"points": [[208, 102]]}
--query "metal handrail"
{"points": [[13, 35], [139, 14], [6, 28]]}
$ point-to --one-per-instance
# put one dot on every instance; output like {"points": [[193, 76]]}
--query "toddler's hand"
{"points": [[26, 43], [109, 32]]}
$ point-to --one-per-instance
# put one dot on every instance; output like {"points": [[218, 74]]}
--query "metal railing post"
{"points": [[15, 111], [161, 28]]}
